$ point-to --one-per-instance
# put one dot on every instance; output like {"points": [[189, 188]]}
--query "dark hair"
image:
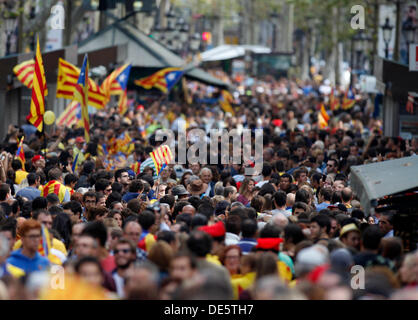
{"points": [[280, 198], [371, 237], [168, 199], [323, 221], [326, 193], [167, 236], [70, 178], [270, 231], [146, 219], [101, 185], [52, 198], [74, 206], [178, 207], [39, 203], [9, 225], [97, 230], [198, 220], [390, 215], [302, 195], [294, 232], [32, 177], [186, 218], [267, 188], [89, 194], [206, 209], [36, 213], [62, 223], [54, 210], [136, 186], [233, 224], [119, 172], [249, 228], [358, 214], [300, 205], [117, 187], [16, 164], [4, 190], [199, 243], [267, 169], [113, 197]]}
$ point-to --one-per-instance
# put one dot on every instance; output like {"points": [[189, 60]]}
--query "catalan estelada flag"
{"points": [[225, 101], [20, 154], [116, 84], [71, 115], [81, 95], [334, 103], [37, 104], [161, 157], [68, 75], [348, 101], [163, 80]]}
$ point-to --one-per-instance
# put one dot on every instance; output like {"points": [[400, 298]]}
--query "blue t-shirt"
{"points": [[28, 265]]}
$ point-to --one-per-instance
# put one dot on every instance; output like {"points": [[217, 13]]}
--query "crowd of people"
{"points": [[75, 223]]}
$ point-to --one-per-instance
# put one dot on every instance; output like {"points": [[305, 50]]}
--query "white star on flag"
{"points": [[171, 76]]}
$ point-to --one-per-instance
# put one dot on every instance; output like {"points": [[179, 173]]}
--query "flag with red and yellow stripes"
{"points": [[161, 157], [324, 113], [37, 105], [68, 75], [20, 154], [71, 115], [56, 187], [334, 103], [348, 102], [24, 73], [81, 94]]}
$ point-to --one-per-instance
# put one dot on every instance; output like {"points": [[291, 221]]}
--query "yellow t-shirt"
{"points": [[20, 176], [242, 283], [214, 259]]}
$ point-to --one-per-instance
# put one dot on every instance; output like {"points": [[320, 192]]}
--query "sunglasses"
{"points": [[125, 251]]}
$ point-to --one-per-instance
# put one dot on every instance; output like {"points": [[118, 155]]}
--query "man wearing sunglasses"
{"points": [[125, 256]]}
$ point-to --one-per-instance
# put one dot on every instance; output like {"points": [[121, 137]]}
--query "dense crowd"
{"points": [[95, 220]]}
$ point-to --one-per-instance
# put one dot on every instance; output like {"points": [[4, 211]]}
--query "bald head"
{"points": [[189, 209], [347, 194], [279, 220]]}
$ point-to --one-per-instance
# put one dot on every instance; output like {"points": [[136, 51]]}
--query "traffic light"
{"points": [[207, 37]]}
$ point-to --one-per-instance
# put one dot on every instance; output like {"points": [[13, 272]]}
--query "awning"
{"points": [[376, 180], [227, 52]]}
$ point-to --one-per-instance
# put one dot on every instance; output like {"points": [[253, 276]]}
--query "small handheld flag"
{"points": [[161, 157], [20, 154], [81, 95], [74, 167]]}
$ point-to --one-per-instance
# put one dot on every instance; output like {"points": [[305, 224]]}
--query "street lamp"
{"points": [[387, 36], [409, 29]]}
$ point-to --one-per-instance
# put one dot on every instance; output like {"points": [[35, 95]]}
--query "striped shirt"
{"points": [[149, 163]]}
